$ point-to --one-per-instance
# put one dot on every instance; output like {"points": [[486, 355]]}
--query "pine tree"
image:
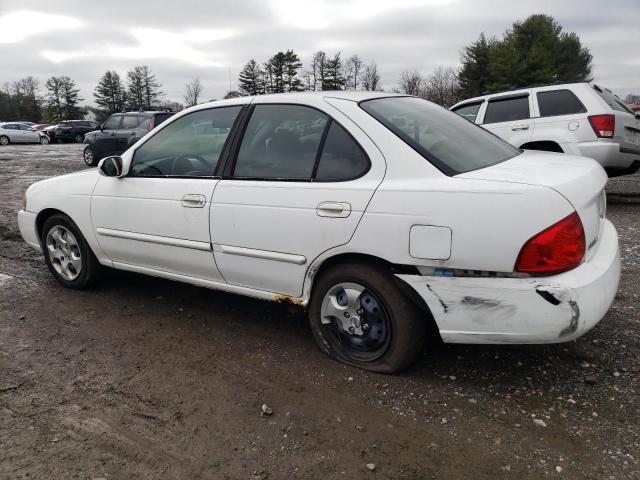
{"points": [[251, 79], [333, 74], [474, 74], [62, 99], [143, 89], [109, 94]]}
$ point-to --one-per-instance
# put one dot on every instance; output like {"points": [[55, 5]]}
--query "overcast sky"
{"points": [[208, 39]]}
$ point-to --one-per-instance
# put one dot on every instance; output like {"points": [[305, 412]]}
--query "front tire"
{"points": [[360, 316], [44, 140], [67, 253], [79, 138], [4, 140], [89, 156]]}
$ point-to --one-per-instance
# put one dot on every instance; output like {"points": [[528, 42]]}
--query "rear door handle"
{"points": [[520, 127], [192, 200], [334, 209]]}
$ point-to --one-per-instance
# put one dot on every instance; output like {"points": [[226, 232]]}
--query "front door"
{"points": [[105, 139], [156, 219], [296, 185]]}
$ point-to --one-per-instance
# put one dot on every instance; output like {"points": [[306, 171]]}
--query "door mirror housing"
{"points": [[111, 167]]}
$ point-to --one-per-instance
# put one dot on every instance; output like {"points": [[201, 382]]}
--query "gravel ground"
{"points": [[146, 378]]}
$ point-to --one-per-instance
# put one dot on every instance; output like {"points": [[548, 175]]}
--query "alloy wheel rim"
{"points": [[64, 252], [4, 141], [88, 157], [355, 321]]}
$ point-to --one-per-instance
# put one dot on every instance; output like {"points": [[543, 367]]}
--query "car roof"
{"points": [[481, 98]]}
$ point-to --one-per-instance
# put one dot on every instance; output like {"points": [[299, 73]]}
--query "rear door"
{"points": [[509, 117], [297, 183]]}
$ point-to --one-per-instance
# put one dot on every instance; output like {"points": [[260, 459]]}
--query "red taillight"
{"points": [[557, 249], [603, 125]]}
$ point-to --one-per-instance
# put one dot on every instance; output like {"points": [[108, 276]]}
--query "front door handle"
{"points": [[520, 127], [334, 209], [194, 201]]}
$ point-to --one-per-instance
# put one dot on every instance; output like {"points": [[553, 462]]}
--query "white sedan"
{"points": [[17, 132], [380, 214]]}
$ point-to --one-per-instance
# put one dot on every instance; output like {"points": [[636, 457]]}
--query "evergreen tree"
{"points": [[333, 74], [62, 99], [533, 51], [109, 94], [143, 89], [251, 79]]}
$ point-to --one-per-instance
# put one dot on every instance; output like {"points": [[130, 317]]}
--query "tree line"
{"points": [[533, 51]]}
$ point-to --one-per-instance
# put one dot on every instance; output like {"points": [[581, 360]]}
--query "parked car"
{"points": [[574, 118], [17, 132], [74, 130], [380, 214], [119, 132], [50, 131]]}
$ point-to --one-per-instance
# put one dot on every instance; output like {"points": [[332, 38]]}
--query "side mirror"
{"points": [[111, 167]]}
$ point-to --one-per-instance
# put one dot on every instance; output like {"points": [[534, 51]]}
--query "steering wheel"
{"points": [[193, 168]]}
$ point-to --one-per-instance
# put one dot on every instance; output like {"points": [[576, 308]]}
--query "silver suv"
{"points": [[574, 118]]}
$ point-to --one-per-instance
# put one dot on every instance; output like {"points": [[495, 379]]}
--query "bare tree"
{"points": [[371, 78], [632, 98], [193, 92], [442, 87], [412, 83], [353, 72], [315, 77]]}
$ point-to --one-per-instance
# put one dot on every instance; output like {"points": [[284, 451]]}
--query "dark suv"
{"points": [[119, 132], [73, 130]]}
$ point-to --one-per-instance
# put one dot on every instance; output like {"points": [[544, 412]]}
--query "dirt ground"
{"points": [[146, 378]]}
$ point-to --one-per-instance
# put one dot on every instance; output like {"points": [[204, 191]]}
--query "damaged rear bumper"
{"points": [[552, 309]]}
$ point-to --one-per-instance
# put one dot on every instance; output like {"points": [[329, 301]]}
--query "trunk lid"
{"points": [[580, 180]]}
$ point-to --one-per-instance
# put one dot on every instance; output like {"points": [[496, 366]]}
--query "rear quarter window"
{"points": [[559, 102], [507, 109]]}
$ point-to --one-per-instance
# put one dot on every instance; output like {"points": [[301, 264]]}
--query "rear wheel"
{"points": [[79, 138], [4, 140], [89, 156], [360, 316], [67, 254]]}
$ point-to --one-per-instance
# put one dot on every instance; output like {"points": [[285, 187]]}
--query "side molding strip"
{"points": [[263, 254], [143, 237]]}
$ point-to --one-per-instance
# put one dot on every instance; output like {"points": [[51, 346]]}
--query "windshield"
{"points": [[451, 143]]}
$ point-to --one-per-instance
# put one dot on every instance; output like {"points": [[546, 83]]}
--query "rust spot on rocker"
{"points": [[288, 299]]}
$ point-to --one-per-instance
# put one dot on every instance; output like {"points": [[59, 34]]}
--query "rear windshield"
{"points": [[613, 101], [451, 143]]}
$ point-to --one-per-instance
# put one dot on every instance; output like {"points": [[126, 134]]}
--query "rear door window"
{"points": [[342, 158], [130, 121], [507, 109], [469, 111], [559, 102], [281, 142]]}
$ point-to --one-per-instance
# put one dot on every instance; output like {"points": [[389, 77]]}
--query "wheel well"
{"points": [[42, 217], [393, 269], [546, 145]]}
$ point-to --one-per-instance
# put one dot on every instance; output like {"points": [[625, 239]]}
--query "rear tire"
{"points": [[387, 329], [4, 140], [67, 253], [89, 157], [79, 138]]}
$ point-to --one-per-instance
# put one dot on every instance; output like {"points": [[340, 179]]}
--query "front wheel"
{"points": [[44, 140], [360, 316], [67, 253], [79, 138], [89, 157]]}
